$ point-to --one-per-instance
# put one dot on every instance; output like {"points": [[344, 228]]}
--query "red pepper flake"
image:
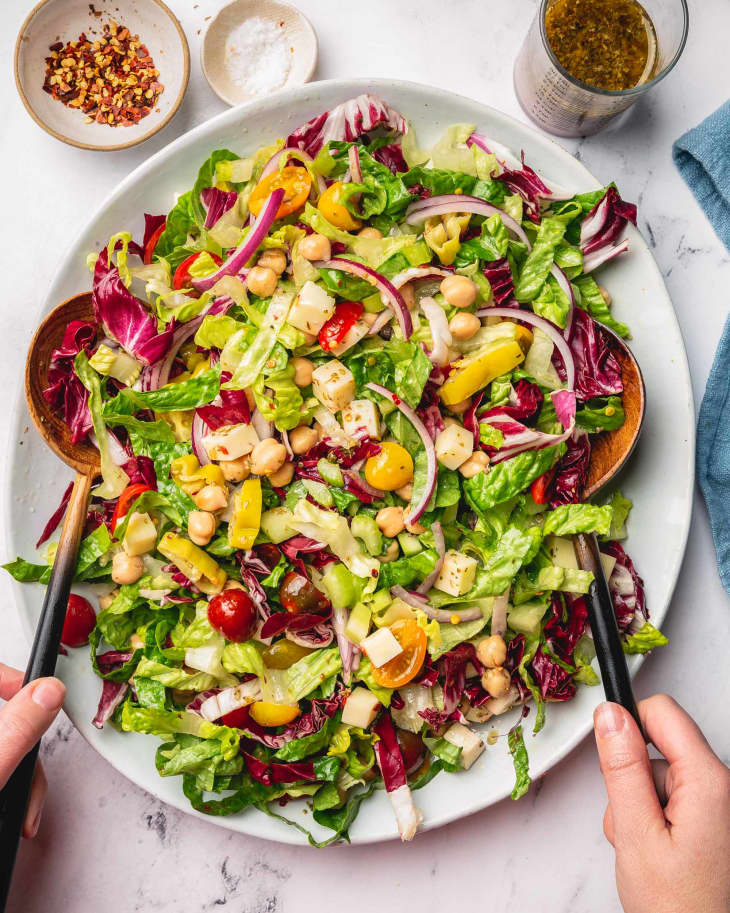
{"points": [[112, 79]]}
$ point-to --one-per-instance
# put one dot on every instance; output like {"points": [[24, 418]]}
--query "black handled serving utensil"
{"points": [[84, 458], [609, 453]]}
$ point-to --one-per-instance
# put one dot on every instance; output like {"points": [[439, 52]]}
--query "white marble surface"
{"points": [[104, 839]]}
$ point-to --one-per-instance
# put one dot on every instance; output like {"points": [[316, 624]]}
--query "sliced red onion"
{"points": [[250, 244], [565, 285], [388, 292], [157, 375], [197, 432], [287, 445], [401, 279], [353, 157], [591, 261], [263, 428], [317, 637], [538, 440], [504, 154], [440, 332], [412, 599], [440, 543], [357, 482], [380, 321], [547, 327], [346, 646], [447, 616], [455, 202], [564, 403], [415, 511], [499, 613]]}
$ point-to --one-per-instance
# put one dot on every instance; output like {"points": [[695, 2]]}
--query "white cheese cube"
{"points": [[230, 442], [562, 553], [312, 308], [454, 445], [609, 563], [140, 535], [381, 646], [457, 573], [358, 331], [361, 414], [469, 742], [333, 385], [360, 708]]}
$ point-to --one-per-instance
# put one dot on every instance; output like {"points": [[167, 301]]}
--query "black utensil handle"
{"points": [[602, 618], [41, 663]]}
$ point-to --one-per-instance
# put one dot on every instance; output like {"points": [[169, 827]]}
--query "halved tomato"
{"points": [[265, 713], [182, 278], [124, 502], [406, 665], [149, 250], [296, 183]]}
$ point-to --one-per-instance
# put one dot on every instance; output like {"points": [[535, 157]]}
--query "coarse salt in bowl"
{"points": [[255, 47]]}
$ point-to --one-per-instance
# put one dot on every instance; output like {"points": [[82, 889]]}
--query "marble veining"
{"points": [[103, 838]]}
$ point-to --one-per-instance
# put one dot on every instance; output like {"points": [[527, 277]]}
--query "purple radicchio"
{"points": [[627, 590], [392, 157], [232, 410], [597, 371], [499, 276], [56, 517], [347, 121], [65, 392], [605, 222], [306, 724], [572, 471], [216, 203]]}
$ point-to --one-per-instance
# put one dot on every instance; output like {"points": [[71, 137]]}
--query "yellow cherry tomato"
{"points": [[391, 468], [265, 713], [335, 213], [406, 665], [296, 183]]}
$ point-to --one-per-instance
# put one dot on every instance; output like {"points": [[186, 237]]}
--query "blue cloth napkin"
{"points": [[702, 156]]}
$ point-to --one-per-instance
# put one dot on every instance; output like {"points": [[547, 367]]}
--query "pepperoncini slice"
{"points": [[246, 520], [194, 562]]}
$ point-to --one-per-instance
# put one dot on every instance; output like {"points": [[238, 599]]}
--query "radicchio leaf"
{"points": [[572, 471], [233, 410], [112, 695], [346, 122], [216, 203], [392, 157], [308, 723], [627, 589], [56, 517], [499, 276], [597, 371], [65, 392]]}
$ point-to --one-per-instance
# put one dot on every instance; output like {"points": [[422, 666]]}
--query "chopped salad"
{"points": [[344, 395]]}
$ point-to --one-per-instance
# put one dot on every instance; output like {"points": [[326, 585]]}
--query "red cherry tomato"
{"points": [[298, 595], [233, 614], [182, 278], [149, 249], [539, 488], [80, 622], [125, 501], [346, 315], [237, 719], [269, 554]]}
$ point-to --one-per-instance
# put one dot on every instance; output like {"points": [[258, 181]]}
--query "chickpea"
{"points": [[274, 259], [464, 326], [496, 681], [405, 491], [106, 601], [282, 476], [261, 281], [211, 498], [460, 407], [303, 368], [408, 295], [390, 521], [449, 421], [201, 526], [369, 232], [605, 295], [233, 585], [414, 528], [127, 568], [391, 553], [492, 651], [309, 338], [236, 470], [459, 291], [302, 438], [315, 247], [476, 463], [267, 457]]}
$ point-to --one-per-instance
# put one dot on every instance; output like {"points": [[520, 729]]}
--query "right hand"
{"points": [[23, 720], [668, 820]]}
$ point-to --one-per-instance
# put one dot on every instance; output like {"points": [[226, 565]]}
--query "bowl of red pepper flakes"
{"points": [[101, 75]]}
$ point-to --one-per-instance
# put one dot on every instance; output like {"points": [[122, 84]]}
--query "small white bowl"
{"points": [[300, 37], [63, 20]]}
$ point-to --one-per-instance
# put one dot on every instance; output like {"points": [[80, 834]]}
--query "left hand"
{"points": [[24, 718]]}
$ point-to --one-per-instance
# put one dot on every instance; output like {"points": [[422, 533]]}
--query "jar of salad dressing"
{"points": [[583, 62]]}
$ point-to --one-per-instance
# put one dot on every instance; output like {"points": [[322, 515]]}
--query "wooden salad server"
{"points": [[84, 458], [609, 453]]}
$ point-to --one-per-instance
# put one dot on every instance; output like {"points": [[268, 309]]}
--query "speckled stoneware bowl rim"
{"points": [[96, 147], [287, 85]]}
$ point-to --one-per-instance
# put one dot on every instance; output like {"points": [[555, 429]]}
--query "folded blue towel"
{"points": [[702, 156]]}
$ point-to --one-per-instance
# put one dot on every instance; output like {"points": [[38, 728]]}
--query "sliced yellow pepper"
{"points": [[188, 474], [194, 562], [443, 235], [246, 520], [266, 713], [474, 373], [181, 422]]}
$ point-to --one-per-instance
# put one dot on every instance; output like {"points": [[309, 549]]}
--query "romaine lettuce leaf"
{"points": [[509, 478], [537, 266], [577, 518], [643, 640], [521, 762]]}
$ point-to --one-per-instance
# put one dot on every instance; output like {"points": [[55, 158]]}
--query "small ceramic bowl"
{"points": [[64, 20], [300, 42]]}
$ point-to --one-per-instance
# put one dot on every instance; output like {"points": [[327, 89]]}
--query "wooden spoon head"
{"points": [[83, 457], [611, 449]]}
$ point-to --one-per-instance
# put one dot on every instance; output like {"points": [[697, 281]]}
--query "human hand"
{"points": [[668, 820], [23, 720]]}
